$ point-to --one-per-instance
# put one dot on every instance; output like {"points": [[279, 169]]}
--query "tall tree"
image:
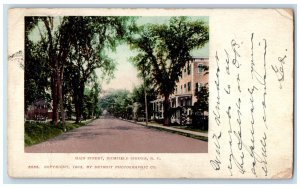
{"points": [[36, 67], [92, 38], [78, 45], [144, 68], [55, 42], [164, 50]]}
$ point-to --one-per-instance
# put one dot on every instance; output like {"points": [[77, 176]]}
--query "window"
{"points": [[198, 86], [189, 69], [189, 112], [184, 87], [181, 89], [200, 68], [189, 86]]}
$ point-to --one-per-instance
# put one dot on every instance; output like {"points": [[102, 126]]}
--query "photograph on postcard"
{"points": [[116, 84]]}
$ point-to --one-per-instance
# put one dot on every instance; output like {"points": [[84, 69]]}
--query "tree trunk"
{"points": [[146, 105], [79, 102], [202, 121], [55, 71], [167, 118], [77, 111], [55, 99], [62, 109]]}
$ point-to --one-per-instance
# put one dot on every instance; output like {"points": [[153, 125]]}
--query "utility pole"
{"points": [[145, 94], [146, 105]]}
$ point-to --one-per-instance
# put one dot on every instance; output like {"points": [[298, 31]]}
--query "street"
{"points": [[110, 135]]}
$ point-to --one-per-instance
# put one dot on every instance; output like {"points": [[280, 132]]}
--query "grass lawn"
{"points": [[39, 132]]}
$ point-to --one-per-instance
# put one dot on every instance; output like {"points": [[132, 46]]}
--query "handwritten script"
{"points": [[240, 137]]}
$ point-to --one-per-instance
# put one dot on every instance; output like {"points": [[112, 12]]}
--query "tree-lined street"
{"points": [[70, 59], [111, 135]]}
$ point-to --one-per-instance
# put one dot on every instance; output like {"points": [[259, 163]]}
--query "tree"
{"points": [[117, 103], [138, 95], [54, 44], [77, 45], [201, 105], [36, 67], [163, 51], [91, 98], [92, 38]]}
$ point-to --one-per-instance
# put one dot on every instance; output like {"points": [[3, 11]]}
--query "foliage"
{"points": [[38, 132], [117, 103], [36, 68], [163, 51], [138, 95], [201, 106], [202, 98], [90, 101], [72, 48], [122, 103]]}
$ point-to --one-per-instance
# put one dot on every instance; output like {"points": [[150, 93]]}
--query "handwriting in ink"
{"points": [[259, 158], [230, 139], [265, 85], [234, 47], [246, 146], [216, 162], [252, 146], [260, 79], [254, 72], [238, 83], [217, 83], [280, 71], [227, 90], [227, 63]]}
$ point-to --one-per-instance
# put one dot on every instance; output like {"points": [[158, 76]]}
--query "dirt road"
{"points": [[109, 135]]}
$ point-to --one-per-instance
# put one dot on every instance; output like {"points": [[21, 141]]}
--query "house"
{"points": [[40, 110], [194, 76]]}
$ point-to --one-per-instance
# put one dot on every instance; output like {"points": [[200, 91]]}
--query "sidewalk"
{"points": [[188, 133]]}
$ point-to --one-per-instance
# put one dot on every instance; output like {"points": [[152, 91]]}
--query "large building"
{"points": [[194, 75]]}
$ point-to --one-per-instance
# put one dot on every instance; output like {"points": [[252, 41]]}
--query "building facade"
{"points": [[194, 75]]}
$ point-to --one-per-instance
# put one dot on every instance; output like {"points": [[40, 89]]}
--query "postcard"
{"points": [[150, 93]]}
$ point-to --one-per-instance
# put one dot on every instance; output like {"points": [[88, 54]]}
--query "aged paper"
{"points": [[251, 56]]}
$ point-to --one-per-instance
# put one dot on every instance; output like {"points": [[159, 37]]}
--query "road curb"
{"points": [[199, 137]]}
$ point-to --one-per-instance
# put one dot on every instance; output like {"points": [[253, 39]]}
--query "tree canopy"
{"points": [[163, 50], [72, 48]]}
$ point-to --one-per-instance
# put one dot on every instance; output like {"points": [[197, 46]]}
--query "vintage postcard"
{"points": [[150, 93]]}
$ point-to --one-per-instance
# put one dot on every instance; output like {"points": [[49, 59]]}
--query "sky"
{"points": [[125, 76]]}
